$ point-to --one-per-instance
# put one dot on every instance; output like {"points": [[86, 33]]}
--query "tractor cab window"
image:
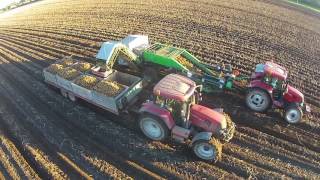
{"points": [[272, 81], [280, 84], [160, 101], [179, 110], [267, 79], [169, 104]]}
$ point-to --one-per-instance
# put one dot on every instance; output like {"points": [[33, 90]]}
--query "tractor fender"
{"points": [[260, 85], [162, 113], [202, 136]]}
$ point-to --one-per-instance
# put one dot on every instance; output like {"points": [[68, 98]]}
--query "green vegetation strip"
{"points": [[305, 5]]}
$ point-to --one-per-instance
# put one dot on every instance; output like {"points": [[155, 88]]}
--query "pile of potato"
{"points": [[87, 81], [109, 88], [69, 73], [67, 61], [184, 62], [55, 68], [82, 66]]}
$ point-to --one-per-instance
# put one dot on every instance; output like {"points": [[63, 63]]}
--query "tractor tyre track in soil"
{"points": [[53, 137]]}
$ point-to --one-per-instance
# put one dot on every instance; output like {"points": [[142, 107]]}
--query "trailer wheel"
{"points": [[72, 97], [64, 93], [207, 150], [153, 127], [293, 114], [258, 100]]}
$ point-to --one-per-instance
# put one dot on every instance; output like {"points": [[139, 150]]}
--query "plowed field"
{"points": [[45, 136]]}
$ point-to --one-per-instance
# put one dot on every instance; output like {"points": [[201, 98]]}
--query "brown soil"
{"points": [[44, 136]]}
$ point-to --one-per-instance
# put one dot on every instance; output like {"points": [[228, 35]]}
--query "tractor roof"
{"points": [[174, 86], [275, 70]]}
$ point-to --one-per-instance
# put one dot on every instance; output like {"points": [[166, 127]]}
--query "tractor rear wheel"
{"points": [[293, 114], [207, 150], [258, 100], [153, 127]]}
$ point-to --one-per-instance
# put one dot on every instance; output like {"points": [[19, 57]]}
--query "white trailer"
{"points": [[132, 84]]}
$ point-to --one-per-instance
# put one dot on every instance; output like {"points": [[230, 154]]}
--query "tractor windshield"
{"points": [[180, 110], [273, 82]]}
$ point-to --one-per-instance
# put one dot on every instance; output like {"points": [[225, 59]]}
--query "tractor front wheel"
{"points": [[153, 127], [293, 114], [258, 100], [207, 150]]}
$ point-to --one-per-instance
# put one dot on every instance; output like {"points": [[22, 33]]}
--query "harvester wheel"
{"points": [[293, 114], [208, 150], [258, 100], [64, 93], [153, 127]]}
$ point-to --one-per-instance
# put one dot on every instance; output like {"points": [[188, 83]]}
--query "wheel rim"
{"points": [[152, 129], [257, 101], [205, 151], [292, 116]]}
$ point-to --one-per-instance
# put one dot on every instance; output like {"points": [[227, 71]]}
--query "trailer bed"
{"points": [[132, 87]]}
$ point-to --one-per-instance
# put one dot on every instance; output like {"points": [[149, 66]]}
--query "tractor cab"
{"points": [[174, 111], [177, 94], [275, 76], [180, 96], [270, 70]]}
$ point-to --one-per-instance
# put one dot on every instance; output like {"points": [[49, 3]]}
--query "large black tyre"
{"points": [[153, 127], [258, 100], [207, 150], [293, 114]]}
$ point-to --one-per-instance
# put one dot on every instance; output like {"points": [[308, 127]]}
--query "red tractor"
{"points": [[175, 111], [268, 88]]}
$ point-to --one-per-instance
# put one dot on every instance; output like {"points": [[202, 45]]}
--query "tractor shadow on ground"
{"points": [[235, 106]]}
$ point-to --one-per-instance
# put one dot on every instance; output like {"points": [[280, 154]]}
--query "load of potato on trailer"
{"points": [[55, 68], [109, 88], [82, 66], [69, 73], [112, 93], [104, 86], [87, 81]]}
